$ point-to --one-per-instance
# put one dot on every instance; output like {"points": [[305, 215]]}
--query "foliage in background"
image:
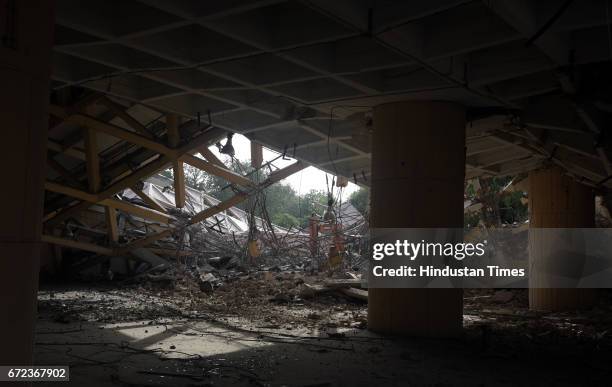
{"points": [[499, 205], [287, 208], [361, 200]]}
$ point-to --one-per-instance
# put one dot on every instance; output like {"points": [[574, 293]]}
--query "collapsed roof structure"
{"points": [[305, 87], [409, 98], [311, 77]]}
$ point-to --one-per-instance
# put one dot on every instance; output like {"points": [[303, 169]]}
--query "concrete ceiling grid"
{"points": [[274, 69]]}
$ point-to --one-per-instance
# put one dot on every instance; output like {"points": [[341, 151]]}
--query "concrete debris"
{"points": [[219, 262], [208, 282], [358, 294], [230, 242], [343, 286], [343, 283], [311, 291], [149, 257], [209, 329], [502, 296], [165, 280]]}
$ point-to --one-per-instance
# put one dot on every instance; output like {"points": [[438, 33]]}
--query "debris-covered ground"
{"points": [[286, 327], [268, 299]]}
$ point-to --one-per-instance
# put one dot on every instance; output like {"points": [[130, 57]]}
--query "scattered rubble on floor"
{"points": [[272, 297], [292, 300], [495, 314], [247, 327], [209, 282]]}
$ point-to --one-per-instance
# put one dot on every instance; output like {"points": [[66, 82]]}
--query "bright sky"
{"points": [[302, 182]]}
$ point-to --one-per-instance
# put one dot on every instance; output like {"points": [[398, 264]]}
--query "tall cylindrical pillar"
{"points": [[556, 201], [418, 169], [25, 66]]}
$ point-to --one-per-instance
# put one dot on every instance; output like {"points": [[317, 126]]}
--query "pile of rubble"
{"points": [[268, 297]]}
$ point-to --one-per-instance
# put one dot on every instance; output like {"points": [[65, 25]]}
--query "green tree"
{"points": [[499, 205], [283, 204], [281, 198], [218, 187], [361, 200], [512, 209], [194, 177], [285, 220], [314, 201]]}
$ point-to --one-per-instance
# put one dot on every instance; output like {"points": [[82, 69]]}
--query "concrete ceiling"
{"points": [[304, 75]]}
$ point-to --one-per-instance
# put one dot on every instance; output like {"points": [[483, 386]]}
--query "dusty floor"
{"points": [[260, 332]]}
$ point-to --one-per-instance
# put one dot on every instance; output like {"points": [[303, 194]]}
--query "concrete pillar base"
{"points": [[18, 300], [559, 300], [416, 312]]}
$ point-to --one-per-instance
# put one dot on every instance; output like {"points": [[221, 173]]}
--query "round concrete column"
{"points": [[25, 67], [418, 169], [556, 201]]}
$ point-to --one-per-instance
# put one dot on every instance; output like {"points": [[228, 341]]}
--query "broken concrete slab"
{"points": [[146, 255]]}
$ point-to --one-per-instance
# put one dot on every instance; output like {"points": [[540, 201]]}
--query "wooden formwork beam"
{"points": [[85, 102], [63, 112], [179, 183], [120, 112], [181, 154], [140, 174], [57, 216], [172, 252], [222, 206], [167, 157], [284, 173], [201, 216], [174, 139], [143, 212], [68, 151], [144, 241], [147, 199], [256, 155], [93, 123], [130, 180], [172, 130], [63, 172], [147, 170], [90, 122], [143, 139], [111, 224], [210, 156], [213, 169], [240, 197], [199, 141], [77, 245], [93, 160], [72, 192]]}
